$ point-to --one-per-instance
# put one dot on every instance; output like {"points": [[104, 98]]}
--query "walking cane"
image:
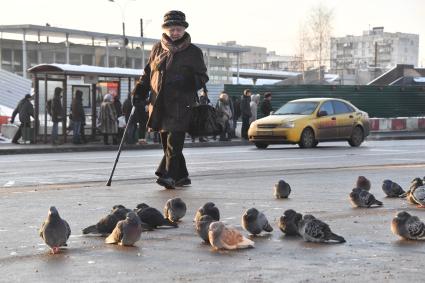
{"points": [[121, 143]]}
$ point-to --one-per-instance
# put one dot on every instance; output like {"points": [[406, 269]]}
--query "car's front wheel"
{"points": [[357, 137], [307, 139], [261, 145]]}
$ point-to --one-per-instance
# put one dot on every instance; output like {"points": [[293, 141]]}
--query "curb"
{"points": [[28, 149]]}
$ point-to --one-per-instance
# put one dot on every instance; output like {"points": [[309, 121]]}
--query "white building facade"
{"points": [[375, 49]]}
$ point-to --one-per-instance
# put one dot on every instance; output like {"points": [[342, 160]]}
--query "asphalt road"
{"points": [[235, 178]]}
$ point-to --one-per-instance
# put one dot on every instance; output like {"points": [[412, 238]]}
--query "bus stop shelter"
{"points": [[90, 79]]}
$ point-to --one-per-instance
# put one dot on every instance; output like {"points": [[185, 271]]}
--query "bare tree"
{"points": [[301, 49], [320, 28]]}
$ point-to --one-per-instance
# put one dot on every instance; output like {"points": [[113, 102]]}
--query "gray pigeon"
{"points": [[282, 189], [362, 198], [416, 192], [175, 209], [255, 222], [55, 231], [289, 221], [210, 209], [127, 232], [226, 237], [407, 226], [152, 217], [363, 183], [107, 224], [314, 230], [202, 226], [392, 189]]}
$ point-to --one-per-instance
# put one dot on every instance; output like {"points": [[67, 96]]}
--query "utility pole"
{"points": [[124, 39]]}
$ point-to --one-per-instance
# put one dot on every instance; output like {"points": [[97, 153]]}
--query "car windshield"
{"points": [[297, 108]]}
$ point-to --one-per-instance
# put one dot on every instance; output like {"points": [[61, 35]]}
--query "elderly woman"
{"points": [[173, 75], [255, 100], [224, 111], [107, 120]]}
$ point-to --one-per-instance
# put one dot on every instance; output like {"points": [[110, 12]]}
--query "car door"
{"points": [[344, 114], [326, 125]]}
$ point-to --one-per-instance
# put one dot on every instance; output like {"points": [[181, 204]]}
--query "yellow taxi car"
{"points": [[308, 121]]}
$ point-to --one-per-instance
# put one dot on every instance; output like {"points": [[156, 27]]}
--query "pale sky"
{"points": [[270, 23]]}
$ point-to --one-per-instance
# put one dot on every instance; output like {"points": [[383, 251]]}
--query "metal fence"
{"points": [[378, 101]]}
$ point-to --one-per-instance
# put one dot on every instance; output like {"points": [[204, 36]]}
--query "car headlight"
{"points": [[290, 124]]}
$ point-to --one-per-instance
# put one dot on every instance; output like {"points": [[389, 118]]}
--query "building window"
{"points": [[32, 58], [138, 63], [87, 59], [60, 58], [6, 56], [75, 59], [17, 60]]}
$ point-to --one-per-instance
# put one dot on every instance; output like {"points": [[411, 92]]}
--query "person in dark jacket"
{"points": [[245, 112], [56, 113], [78, 116], [203, 100], [25, 110], [266, 106], [175, 71], [126, 110]]}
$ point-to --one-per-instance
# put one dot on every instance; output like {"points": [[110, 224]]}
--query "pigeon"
{"points": [[415, 185], [407, 226], [315, 230], [288, 222], [152, 217], [107, 224], [255, 222], [202, 226], [175, 209], [418, 195], [208, 209], [127, 232], [363, 183], [55, 231], [227, 237], [282, 189], [362, 198], [123, 210], [141, 205], [392, 189]]}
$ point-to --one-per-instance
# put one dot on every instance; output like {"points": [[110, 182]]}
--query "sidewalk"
{"points": [[7, 148]]}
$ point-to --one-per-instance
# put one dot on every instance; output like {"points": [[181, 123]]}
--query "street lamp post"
{"points": [[124, 39]]}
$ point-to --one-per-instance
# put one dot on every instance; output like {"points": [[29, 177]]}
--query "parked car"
{"points": [[308, 121]]}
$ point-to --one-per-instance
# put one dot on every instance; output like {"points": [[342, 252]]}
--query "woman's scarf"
{"points": [[169, 48]]}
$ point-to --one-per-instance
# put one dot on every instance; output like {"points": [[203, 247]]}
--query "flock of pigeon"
{"points": [[124, 226]]}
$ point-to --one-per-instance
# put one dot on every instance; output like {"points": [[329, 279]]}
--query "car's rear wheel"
{"points": [[357, 137], [261, 145], [307, 139]]}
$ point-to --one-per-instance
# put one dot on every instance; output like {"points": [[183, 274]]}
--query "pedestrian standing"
{"points": [[236, 113], [118, 110], [107, 120], [175, 72], [266, 106], [126, 110], [224, 111], [255, 100], [56, 114], [203, 100], [78, 116], [245, 112], [25, 110]]}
